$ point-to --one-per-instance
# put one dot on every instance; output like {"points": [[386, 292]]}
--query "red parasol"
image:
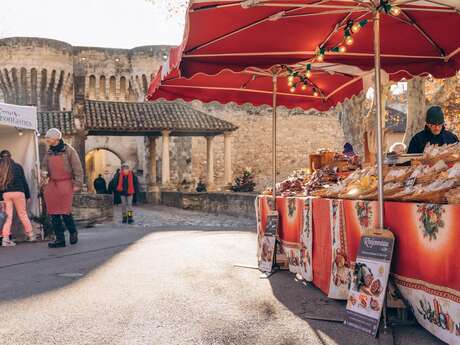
{"points": [[324, 89]]}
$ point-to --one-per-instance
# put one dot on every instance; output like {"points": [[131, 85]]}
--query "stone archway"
{"points": [[101, 161]]}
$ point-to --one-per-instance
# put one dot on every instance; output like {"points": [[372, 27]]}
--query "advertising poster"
{"points": [[269, 243], [370, 280]]}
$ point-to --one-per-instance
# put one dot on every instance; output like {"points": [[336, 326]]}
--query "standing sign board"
{"points": [[370, 279], [269, 243]]}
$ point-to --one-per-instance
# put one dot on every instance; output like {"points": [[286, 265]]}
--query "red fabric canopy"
{"points": [[256, 87], [239, 34]]}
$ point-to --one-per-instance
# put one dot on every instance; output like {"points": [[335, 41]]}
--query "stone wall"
{"points": [[90, 209], [234, 204], [299, 133]]}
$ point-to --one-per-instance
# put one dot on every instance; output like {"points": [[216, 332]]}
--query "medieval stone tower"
{"points": [[40, 72]]}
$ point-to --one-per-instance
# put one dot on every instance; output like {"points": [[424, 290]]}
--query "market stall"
{"points": [[320, 231], [18, 134]]}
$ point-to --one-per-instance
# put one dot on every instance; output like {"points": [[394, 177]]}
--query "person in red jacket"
{"points": [[127, 187]]}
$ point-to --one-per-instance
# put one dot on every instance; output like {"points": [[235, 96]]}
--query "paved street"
{"points": [[170, 279]]}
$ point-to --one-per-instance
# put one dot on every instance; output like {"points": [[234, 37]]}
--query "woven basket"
{"points": [[390, 192], [424, 179], [401, 178], [438, 197], [453, 196], [320, 193], [446, 157], [369, 196], [453, 199]]}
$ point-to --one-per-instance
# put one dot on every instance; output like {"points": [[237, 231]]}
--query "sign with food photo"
{"points": [[369, 282], [268, 243]]}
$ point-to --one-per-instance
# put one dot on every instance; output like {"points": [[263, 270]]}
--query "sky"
{"points": [[98, 23]]}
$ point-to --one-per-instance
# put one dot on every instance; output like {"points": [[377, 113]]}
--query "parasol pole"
{"points": [[275, 86], [378, 98]]}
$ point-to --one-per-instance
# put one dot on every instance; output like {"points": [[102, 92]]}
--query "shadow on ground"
{"points": [[326, 315]]}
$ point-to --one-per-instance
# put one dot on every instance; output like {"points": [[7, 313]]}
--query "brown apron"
{"points": [[58, 192]]}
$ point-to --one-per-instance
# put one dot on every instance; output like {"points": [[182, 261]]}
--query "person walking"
{"points": [[63, 168], [113, 188], [99, 185], [127, 186], [14, 191]]}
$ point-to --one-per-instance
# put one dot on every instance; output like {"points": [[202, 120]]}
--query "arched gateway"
{"points": [[152, 120]]}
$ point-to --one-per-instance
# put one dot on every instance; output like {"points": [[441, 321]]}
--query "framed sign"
{"points": [[370, 279], [269, 243]]}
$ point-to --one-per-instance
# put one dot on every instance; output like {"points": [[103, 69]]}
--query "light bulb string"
{"points": [[350, 28], [303, 81]]}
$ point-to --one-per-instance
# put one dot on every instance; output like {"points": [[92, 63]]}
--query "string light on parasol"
{"points": [[395, 11], [320, 54], [388, 8], [292, 89], [308, 71], [304, 87], [348, 38], [358, 25]]}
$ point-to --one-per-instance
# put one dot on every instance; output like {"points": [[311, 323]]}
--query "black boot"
{"points": [[70, 224], [125, 219], [74, 237], [130, 217], [57, 244], [58, 231]]}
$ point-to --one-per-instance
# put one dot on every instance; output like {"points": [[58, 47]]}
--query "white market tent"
{"points": [[18, 134]]}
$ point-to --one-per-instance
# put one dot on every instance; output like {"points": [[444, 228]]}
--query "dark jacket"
{"points": [[18, 183], [419, 141], [125, 184], [113, 190], [100, 186]]}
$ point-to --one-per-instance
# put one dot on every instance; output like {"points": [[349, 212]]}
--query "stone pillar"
{"points": [[210, 161], [79, 119], [152, 161], [228, 175], [415, 107], [79, 145], [165, 167]]}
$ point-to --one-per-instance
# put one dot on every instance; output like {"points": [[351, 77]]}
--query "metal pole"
{"points": [[275, 85], [39, 182], [378, 98]]}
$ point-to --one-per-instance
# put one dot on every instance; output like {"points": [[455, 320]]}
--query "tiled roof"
{"points": [[104, 116], [62, 120]]}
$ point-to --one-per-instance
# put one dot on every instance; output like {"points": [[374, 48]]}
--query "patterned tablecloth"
{"points": [[320, 238]]}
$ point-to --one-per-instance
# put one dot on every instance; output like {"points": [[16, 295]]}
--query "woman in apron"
{"points": [[65, 176]]}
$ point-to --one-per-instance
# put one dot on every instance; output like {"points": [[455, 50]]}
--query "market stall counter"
{"points": [[320, 238]]}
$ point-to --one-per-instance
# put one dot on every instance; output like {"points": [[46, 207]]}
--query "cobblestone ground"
{"points": [[162, 216]]}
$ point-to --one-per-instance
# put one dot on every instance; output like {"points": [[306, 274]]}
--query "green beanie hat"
{"points": [[434, 115]]}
